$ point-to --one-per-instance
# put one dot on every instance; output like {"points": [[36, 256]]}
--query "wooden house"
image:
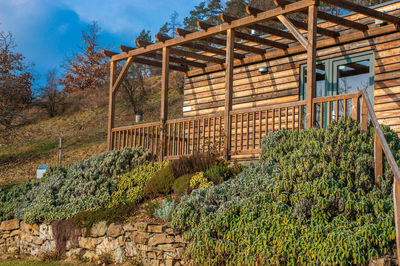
{"points": [[245, 79]]}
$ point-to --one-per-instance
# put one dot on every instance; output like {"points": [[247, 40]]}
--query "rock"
{"points": [[15, 233], [381, 262], [98, 229], [128, 227], [155, 228], [37, 240], [45, 232], [90, 255], [119, 255], [75, 253], [169, 231], [9, 225], [107, 246], [154, 263], [166, 247], [160, 239], [30, 229], [141, 226], [139, 237], [48, 247], [114, 230], [130, 249], [88, 243], [180, 252], [152, 255]]}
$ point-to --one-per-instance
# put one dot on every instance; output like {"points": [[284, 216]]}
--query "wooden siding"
{"points": [[205, 94]]}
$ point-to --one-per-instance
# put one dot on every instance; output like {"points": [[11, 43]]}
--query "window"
{"points": [[343, 75]]}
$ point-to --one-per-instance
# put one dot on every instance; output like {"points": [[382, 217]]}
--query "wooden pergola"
{"points": [[217, 47], [225, 52]]}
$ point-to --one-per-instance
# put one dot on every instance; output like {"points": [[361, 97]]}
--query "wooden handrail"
{"points": [[385, 146], [392, 162], [335, 98]]}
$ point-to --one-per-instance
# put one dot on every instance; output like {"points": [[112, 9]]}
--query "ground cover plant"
{"points": [[67, 190], [311, 199]]}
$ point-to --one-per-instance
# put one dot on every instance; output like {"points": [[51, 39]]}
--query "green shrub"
{"points": [[151, 207], [164, 211], [222, 172], [66, 191], [200, 181], [197, 162], [312, 199], [181, 185], [161, 182], [132, 185]]}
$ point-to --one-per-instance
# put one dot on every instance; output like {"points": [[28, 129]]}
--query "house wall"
{"points": [[204, 94]]}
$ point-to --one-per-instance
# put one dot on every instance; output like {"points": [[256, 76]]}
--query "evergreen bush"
{"points": [[161, 182], [66, 191], [312, 199], [164, 211]]}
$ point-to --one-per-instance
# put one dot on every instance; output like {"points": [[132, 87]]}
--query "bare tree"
{"points": [[51, 96], [89, 69], [15, 82], [134, 87]]}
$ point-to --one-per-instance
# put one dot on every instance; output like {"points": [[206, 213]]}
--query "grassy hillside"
{"points": [[83, 127]]}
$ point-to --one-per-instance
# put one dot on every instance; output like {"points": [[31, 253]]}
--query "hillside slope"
{"points": [[83, 127]]}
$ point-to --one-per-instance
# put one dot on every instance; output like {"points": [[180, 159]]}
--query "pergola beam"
{"points": [[292, 28], [220, 29], [322, 31], [201, 57], [328, 17], [149, 62], [364, 10], [251, 49], [182, 61], [253, 38], [248, 37], [163, 38]]}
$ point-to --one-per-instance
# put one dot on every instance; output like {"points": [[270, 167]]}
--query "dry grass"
{"points": [[83, 127]]}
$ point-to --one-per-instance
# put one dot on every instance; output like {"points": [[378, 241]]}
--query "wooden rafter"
{"points": [[352, 37], [179, 52], [173, 59], [261, 28], [146, 61], [220, 29], [328, 17], [143, 61], [201, 57], [162, 38], [364, 10], [292, 28], [333, 34], [251, 49], [248, 37]]}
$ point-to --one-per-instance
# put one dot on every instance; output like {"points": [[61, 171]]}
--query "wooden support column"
{"points": [[378, 157], [164, 99], [364, 115], [311, 63], [396, 205], [111, 106], [230, 42]]}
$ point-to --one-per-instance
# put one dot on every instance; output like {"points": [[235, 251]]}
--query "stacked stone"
{"points": [[150, 244]]}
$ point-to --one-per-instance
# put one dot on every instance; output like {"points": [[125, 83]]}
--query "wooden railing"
{"points": [[199, 134], [248, 127]]}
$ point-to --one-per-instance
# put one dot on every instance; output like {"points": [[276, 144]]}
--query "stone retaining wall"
{"points": [[150, 244]]}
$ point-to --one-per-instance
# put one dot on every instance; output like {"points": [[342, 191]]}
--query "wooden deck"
{"points": [[247, 127]]}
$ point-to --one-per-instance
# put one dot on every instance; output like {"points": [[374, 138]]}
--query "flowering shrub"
{"points": [[66, 191], [132, 185], [200, 181], [312, 199]]}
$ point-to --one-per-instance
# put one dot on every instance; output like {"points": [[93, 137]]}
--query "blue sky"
{"points": [[46, 31]]}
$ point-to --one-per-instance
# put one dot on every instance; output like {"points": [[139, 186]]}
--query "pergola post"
{"points": [[230, 41], [111, 106], [164, 98], [311, 64]]}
